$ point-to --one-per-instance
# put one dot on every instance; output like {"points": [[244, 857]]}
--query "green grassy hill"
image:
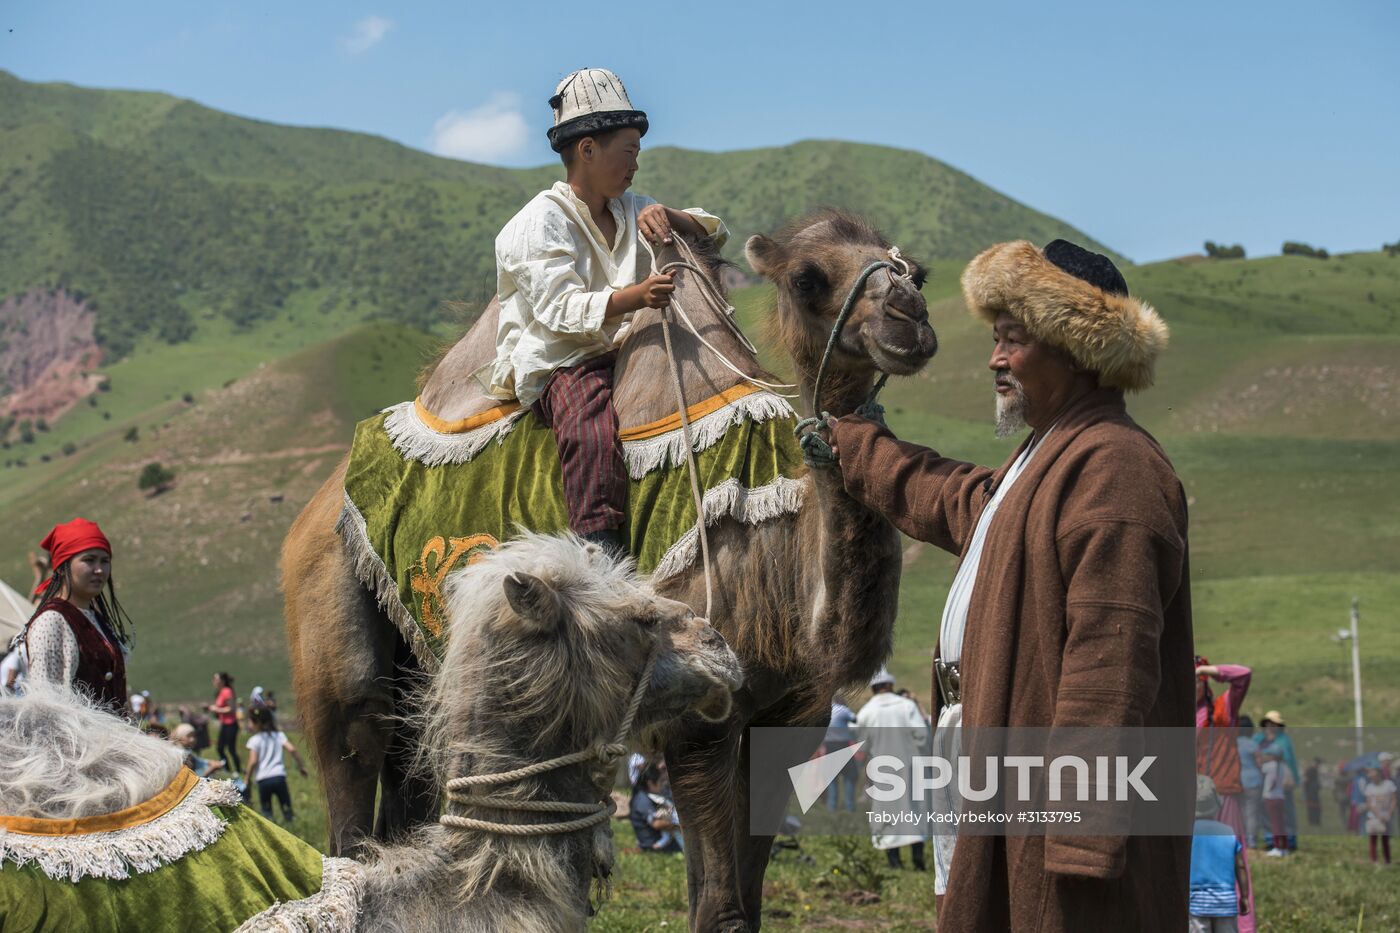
{"points": [[157, 207], [1289, 470]]}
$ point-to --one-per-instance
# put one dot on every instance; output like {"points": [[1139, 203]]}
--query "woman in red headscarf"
{"points": [[79, 636]]}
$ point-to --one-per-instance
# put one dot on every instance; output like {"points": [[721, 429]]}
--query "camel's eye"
{"points": [[808, 281], [919, 277]]}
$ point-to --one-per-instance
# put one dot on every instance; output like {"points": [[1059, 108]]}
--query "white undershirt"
{"points": [[950, 633], [947, 740]]}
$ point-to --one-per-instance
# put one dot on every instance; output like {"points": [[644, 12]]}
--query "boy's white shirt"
{"points": [[554, 274]]}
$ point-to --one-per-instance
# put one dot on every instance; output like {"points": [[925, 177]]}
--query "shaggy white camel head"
{"points": [[548, 637]]}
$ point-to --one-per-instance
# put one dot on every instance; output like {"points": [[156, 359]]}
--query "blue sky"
{"points": [[1151, 126]]}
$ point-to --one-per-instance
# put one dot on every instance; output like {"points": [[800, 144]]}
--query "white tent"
{"points": [[14, 612]]}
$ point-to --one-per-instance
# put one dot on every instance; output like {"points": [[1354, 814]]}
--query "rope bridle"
{"points": [[816, 449], [592, 814]]}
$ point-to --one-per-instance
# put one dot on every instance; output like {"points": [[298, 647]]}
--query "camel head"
{"points": [[549, 638], [814, 262]]}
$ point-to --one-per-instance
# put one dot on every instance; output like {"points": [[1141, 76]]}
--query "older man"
{"points": [[1071, 605]]}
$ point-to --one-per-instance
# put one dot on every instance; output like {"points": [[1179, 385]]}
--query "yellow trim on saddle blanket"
{"points": [[162, 803], [695, 412], [463, 425]]}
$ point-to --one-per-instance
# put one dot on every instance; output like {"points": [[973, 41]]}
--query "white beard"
{"points": [[1011, 410]]}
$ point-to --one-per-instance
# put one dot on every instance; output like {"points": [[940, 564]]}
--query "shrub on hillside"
{"points": [[1291, 248], [132, 434], [1221, 251], [1391, 249], [155, 479]]}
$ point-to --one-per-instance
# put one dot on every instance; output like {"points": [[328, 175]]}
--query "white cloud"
{"points": [[493, 132], [367, 34]]}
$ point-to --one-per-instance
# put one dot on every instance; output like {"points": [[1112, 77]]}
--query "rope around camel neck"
{"points": [[596, 813]]}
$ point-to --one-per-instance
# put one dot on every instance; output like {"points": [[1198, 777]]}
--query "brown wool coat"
{"points": [[1080, 616]]}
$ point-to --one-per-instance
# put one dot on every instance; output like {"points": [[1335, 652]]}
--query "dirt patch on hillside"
{"points": [[47, 354], [1324, 398]]}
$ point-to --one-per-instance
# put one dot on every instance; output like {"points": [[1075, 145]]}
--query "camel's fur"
{"points": [[807, 600], [60, 758], [549, 638]]}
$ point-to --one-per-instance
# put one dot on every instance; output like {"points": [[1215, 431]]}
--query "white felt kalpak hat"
{"points": [[591, 101], [882, 676]]}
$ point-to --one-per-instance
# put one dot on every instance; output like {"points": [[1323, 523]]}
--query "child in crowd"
{"points": [[571, 271], [1380, 810], [1219, 883], [652, 813], [184, 737], [1273, 768], [265, 766]]}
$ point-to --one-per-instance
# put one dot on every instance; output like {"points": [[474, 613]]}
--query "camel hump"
{"points": [[643, 386], [644, 391], [454, 391]]}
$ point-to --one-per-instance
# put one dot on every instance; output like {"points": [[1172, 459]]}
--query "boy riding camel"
{"points": [[571, 271]]}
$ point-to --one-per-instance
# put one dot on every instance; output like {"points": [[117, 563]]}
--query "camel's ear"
{"points": [[763, 254], [540, 609]]}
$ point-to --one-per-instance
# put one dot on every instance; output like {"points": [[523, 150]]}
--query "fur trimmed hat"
{"points": [[1073, 299], [590, 101]]}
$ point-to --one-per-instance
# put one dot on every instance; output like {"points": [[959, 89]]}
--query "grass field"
{"points": [[1328, 887]]}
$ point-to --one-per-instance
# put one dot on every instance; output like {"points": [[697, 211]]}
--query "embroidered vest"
{"points": [[101, 667]]}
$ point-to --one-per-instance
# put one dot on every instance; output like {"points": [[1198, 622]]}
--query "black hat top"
{"points": [[1095, 268]]}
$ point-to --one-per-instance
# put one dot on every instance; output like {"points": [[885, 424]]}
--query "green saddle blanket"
{"points": [[205, 865], [408, 523]]}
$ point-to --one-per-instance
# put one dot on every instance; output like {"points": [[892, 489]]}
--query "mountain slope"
{"points": [[159, 208]]}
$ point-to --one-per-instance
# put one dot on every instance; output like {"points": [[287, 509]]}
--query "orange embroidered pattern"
{"points": [[439, 557]]}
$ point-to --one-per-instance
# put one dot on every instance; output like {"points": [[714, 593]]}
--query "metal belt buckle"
{"points": [[949, 681]]}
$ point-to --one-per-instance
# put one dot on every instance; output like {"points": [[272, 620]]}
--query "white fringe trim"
{"points": [[783, 496], [666, 450], [370, 569], [414, 440], [335, 908], [189, 827]]}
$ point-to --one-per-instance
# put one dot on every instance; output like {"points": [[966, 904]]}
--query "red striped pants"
{"points": [[577, 405]]}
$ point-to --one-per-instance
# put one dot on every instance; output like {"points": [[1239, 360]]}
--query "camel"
{"points": [[807, 600], [559, 652], [550, 641]]}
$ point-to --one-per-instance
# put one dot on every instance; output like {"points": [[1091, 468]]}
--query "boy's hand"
{"points": [[654, 222], [656, 291], [653, 292]]}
